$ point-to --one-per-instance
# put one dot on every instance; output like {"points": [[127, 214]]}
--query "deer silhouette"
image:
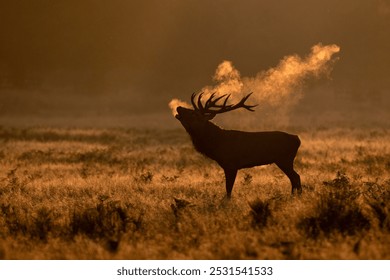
{"points": [[232, 149]]}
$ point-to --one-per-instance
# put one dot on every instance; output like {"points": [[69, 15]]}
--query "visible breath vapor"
{"points": [[278, 85], [174, 103], [277, 89]]}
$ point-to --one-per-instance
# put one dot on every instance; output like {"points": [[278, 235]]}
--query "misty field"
{"points": [[144, 194]]}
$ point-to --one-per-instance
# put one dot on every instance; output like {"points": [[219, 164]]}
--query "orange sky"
{"points": [[170, 48]]}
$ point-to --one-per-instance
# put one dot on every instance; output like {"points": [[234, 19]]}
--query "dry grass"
{"points": [[138, 194]]}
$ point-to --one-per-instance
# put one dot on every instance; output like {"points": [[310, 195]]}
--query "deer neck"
{"points": [[205, 138]]}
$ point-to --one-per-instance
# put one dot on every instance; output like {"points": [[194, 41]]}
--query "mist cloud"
{"points": [[277, 89], [174, 103], [278, 86]]}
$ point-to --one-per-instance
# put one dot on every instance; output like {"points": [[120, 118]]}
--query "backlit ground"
{"points": [[143, 194]]}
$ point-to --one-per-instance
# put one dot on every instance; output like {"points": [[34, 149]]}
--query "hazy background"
{"points": [[120, 62]]}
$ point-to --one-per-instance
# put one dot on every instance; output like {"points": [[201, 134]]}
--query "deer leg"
{"points": [[230, 176], [296, 182], [295, 179]]}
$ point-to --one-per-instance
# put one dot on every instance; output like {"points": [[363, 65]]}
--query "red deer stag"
{"points": [[234, 150]]}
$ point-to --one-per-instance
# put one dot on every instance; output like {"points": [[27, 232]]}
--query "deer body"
{"points": [[234, 150]]}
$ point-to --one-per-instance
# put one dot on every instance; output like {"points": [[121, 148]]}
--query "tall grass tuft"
{"points": [[260, 212], [107, 220], [336, 211], [378, 198], [42, 224]]}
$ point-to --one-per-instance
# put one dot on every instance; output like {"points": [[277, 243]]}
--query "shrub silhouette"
{"points": [[36, 226], [379, 200], [337, 211], [260, 212], [42, 224], [107, 220]]}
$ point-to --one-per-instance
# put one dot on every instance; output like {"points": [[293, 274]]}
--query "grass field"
{"points": [[147, 194]]}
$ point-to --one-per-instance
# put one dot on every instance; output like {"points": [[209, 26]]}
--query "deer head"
{"points": [[202, 113]]}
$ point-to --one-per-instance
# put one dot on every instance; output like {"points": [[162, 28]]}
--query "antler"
{"points": [[212, 108]]}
